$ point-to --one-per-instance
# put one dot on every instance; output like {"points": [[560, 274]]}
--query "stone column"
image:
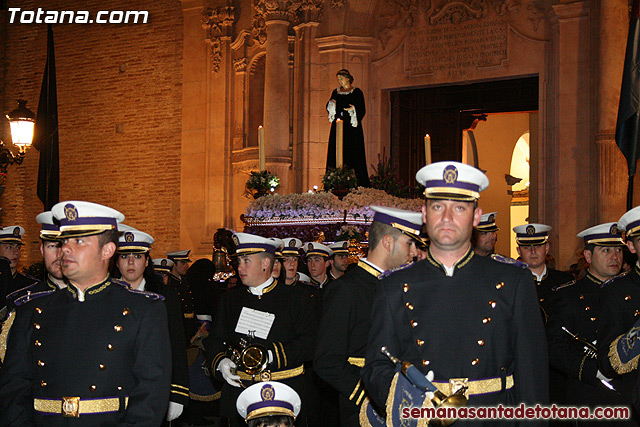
{"points": [[612, 166], [276, 93], [567, 158]]}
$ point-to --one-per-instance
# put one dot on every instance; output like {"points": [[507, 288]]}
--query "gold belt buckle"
{"points": [[71, 407], [458, 383]]}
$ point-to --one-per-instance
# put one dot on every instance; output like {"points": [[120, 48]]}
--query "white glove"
{"points": [[270, 354], [354, 118], [430, 376], [225, 367], [175, 410], [331, 109]]}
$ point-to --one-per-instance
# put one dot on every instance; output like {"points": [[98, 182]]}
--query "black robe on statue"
{"points": [[353, 152]]}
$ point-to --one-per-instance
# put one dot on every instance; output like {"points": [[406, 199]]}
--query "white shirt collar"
{"points": [[258, 289], [544, 273]]}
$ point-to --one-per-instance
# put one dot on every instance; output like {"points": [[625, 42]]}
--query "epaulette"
{"points": [[389, 272], [31, 296], [151, 295], [606, 282], [564, 285], [17, 293], [508, 260]]}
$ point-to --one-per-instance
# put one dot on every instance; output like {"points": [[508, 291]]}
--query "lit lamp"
{"points": [[22, 122]]}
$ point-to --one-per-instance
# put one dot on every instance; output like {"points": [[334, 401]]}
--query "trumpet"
{"points": [[589, 349], [439, 399], [250, 357]]}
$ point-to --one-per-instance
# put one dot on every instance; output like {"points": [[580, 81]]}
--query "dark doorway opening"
{"points": [[444, 112]]}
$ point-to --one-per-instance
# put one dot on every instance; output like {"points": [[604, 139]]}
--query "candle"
{"points": [[339, 136], [427, 149], [261, 152]]}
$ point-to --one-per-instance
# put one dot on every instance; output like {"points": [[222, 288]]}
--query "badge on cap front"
{"points": [[450, 174], [16, 231], [163, 263], [491, 217], [614, 229], [235, 239], [267, 392], [292, 243], [70, 212], [531, 229], [128, 237], [310, 246]]}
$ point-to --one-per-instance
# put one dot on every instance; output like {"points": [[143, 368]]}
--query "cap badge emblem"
{"points": [[531, 229], [16, 231], [450, 174], [292, 243], [345, 245], [163, 263], [70, 212], [235, 239], [267, 392], [491, 217], [128, 237], [310, 247], [614, 229]]}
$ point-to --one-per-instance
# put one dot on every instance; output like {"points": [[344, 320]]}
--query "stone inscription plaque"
{"points": [[455, 49]]}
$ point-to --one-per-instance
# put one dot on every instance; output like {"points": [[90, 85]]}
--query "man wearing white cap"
{"points": [[485, 235], [617, 322], [279, 319], [10, 248], [96, 351], [317, 256], [269, 404], [51, 253], [533, 247], [344, 328], [291, 258], [339, 261], [472, 320], [573, 313]]}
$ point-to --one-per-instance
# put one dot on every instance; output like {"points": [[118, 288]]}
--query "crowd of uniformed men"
{"points": [[111, 336]]}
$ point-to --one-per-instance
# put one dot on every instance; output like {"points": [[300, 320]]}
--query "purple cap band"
{"points": [[134, 244], [245, 247], [601, 236], [269, 404], [89, 220], [457, 184], [541, 234], [50, 227], [388, 219]]}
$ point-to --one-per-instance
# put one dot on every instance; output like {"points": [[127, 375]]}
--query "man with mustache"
{"points": [[471, 320], [10, 249], [95, 352], [574, 308]]}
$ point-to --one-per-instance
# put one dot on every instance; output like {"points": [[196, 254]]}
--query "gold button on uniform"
{"points": [[36, 325], [405, 287], [93, 388], [37, 343], [587, 308], [43, 383], [499, 285], [635, 314], [409, 306], [38, 310], [480, 343], [420, 343], [425, 362], [117, 328], [474, 362], [40, 363], [414, 323], [102, 367], [627, 298], [581, 296], [492, 303], [125, 311], [486, 320], [109, 347]]}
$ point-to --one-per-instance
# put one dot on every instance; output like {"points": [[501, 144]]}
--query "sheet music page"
{"points": [[257, 321]]}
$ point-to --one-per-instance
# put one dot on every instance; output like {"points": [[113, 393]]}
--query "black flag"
{"points": [[45, 138], [628, 124]]}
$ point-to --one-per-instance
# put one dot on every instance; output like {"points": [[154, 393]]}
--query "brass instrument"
{"points": [[439, 399], [250, 358], [589, 349]]}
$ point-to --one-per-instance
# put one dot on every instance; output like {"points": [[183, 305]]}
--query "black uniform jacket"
{"points": [[482, 322], [342, 337], [576, 307], [113, 344], [291, 337], [544, 288], [619, 311]]}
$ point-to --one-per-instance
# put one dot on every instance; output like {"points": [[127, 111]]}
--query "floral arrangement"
{"points": [[326, 204], [386, 180], [349, 232], [262, 182], [339, 178]]}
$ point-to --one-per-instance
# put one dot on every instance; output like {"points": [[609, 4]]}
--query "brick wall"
{"points": [[123, 76]]}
